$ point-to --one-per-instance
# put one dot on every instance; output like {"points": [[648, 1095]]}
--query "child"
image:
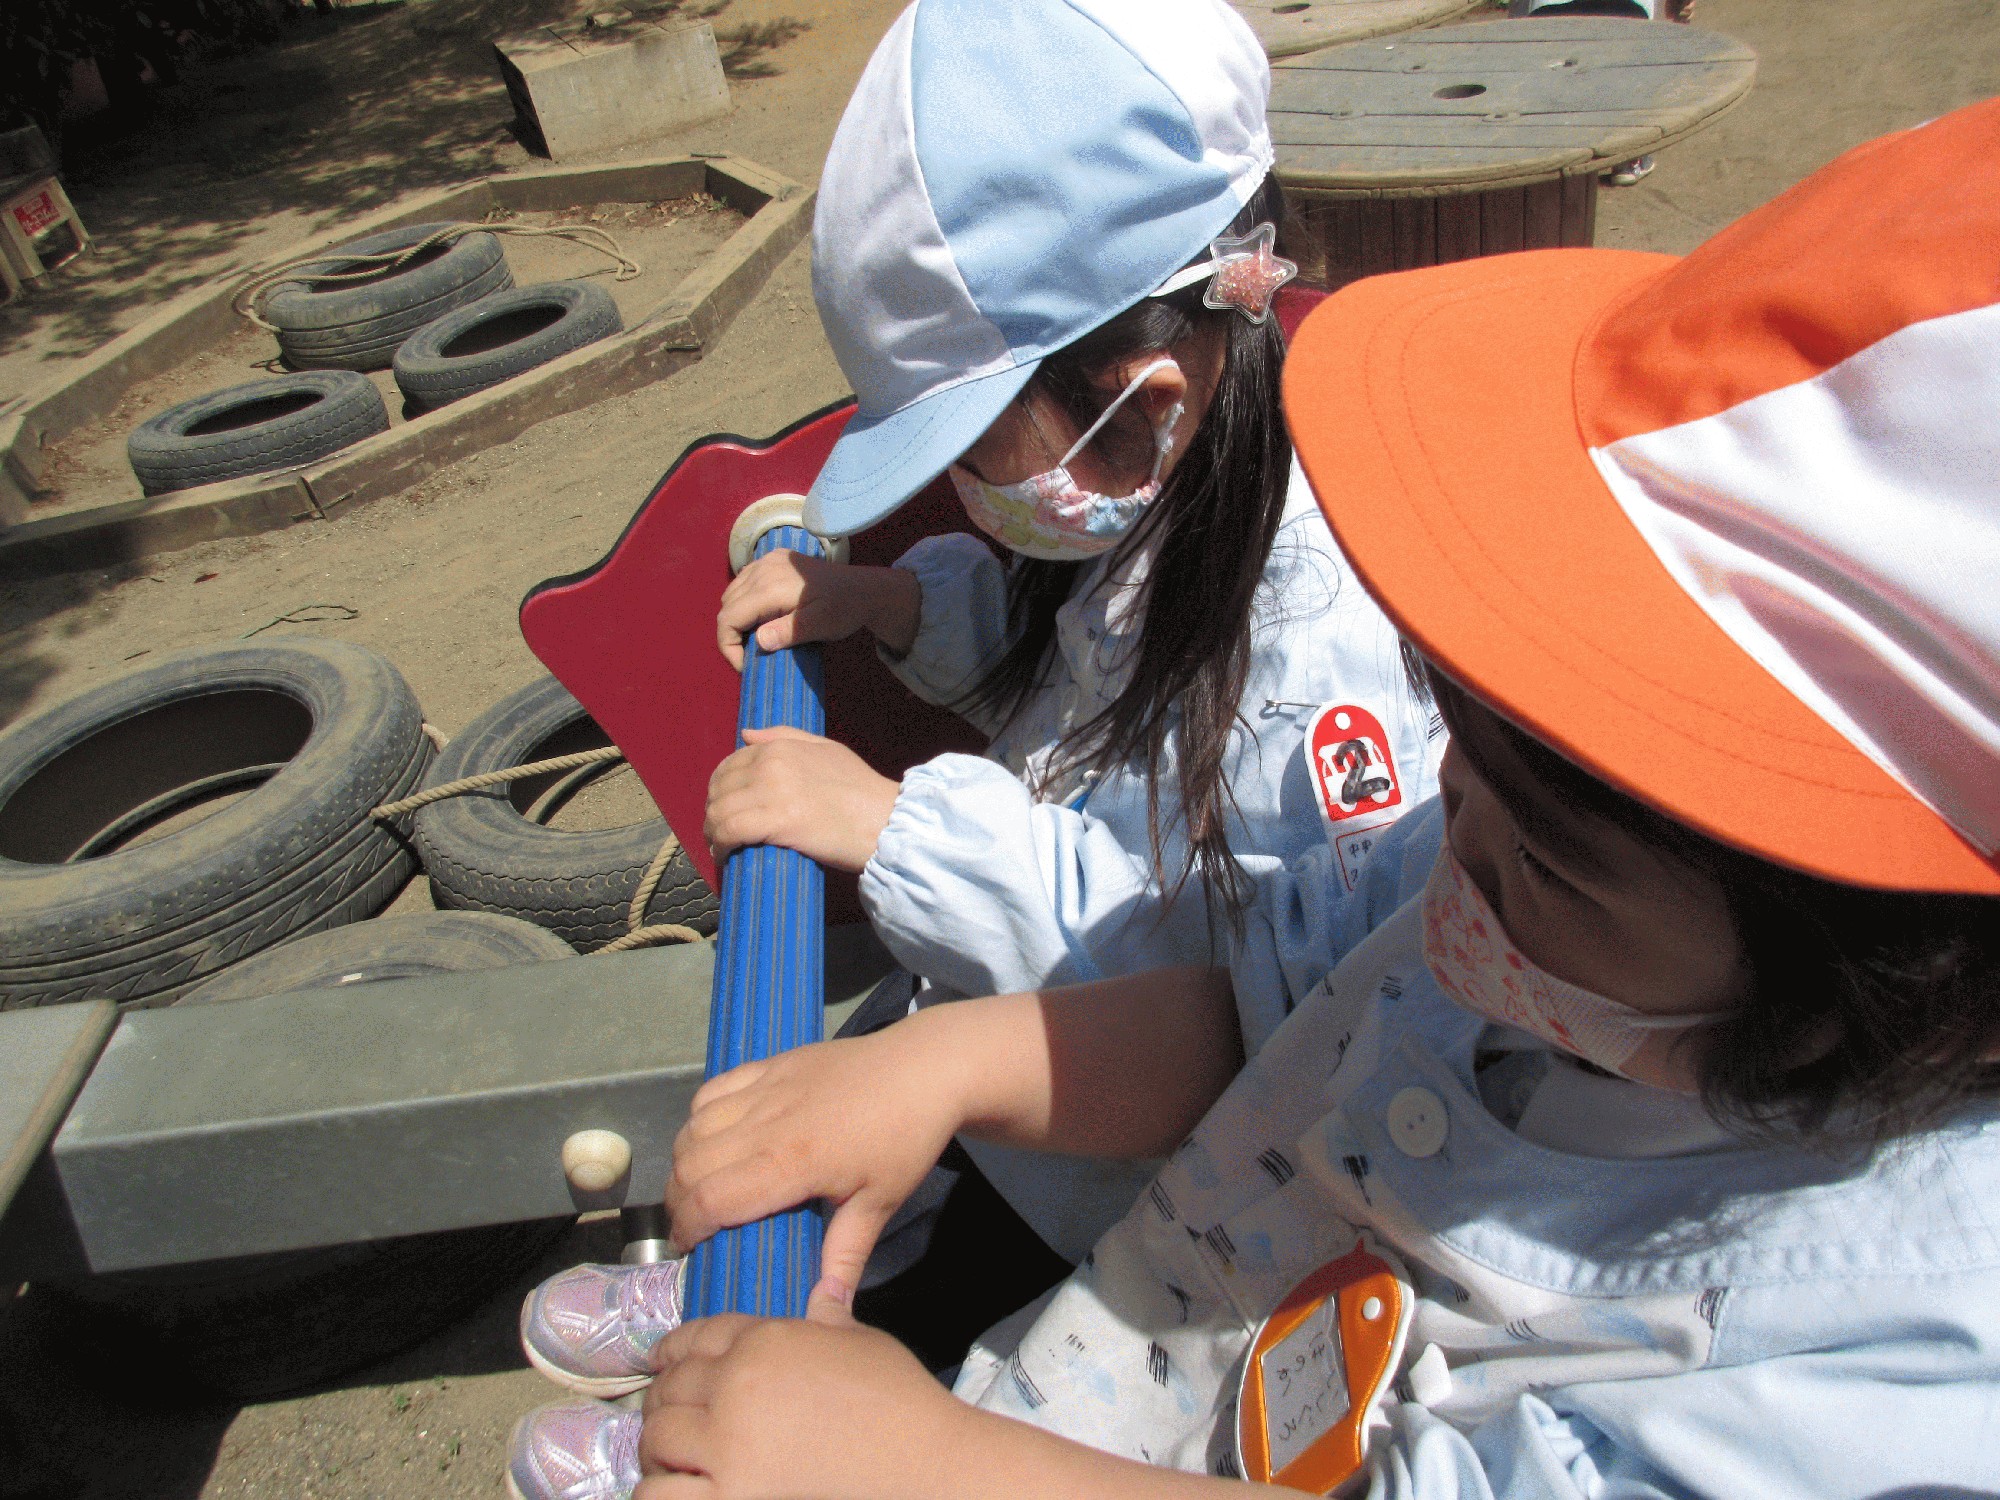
{"points": [[1661, 1055], [1043, 255]]}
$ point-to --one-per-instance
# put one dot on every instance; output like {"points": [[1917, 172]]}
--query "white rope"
{"points": [[637, 934], [246, 299]]}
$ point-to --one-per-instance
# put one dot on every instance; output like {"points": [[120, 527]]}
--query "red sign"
{"points": [[1351, 767], [37, 213]]}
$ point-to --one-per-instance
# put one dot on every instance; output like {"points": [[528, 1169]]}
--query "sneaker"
{"points": [[592, 1327], [1627, 173], [576, 1450]]}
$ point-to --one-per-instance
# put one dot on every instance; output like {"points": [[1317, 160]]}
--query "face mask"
{"points": [[1051, 516], [1477, 965]]}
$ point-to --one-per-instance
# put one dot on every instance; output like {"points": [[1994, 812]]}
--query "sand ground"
{"points": [[434, 575]]}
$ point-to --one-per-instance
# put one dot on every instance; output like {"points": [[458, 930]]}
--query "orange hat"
{"points": [[1723, 530]]}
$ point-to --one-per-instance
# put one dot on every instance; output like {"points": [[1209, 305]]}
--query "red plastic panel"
{"points": [[634, 637]]}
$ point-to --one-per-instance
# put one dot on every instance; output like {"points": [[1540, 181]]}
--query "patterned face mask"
{"points": [[1050, 516], [1476, 964]]}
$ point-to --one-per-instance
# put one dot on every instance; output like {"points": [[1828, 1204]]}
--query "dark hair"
{"points": [[1871, 1014], [1211, 530]]}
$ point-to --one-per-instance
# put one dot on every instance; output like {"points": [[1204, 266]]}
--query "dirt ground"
{"points": [[433, 576], [666, 241]]}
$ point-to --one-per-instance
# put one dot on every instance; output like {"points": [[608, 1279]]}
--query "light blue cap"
{"points": [[1007, 177]]}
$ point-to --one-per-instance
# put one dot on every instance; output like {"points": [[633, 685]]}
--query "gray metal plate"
{"points": [[400, 1107], [45, 1055]]}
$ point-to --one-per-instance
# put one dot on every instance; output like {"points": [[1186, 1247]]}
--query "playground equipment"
{"points": [[406, 1106]]}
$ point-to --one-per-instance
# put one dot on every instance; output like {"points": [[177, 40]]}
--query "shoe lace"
{"points": [[621, 1445], [653, 1295]]}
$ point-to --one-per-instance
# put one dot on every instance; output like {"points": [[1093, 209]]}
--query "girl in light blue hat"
{"points": [[1045, 256]]}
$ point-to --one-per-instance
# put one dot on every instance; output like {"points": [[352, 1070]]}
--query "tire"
{"points": [[278, 423], [483, 854], [445, 942], [142, 922], [264, 1325], [358, 325], [501, 337]]}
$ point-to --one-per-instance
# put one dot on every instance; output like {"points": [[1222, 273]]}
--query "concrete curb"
{"points": [[671, 336]]}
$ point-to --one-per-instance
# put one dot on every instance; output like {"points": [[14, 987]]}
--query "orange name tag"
{"points": [[1317, 1370]]}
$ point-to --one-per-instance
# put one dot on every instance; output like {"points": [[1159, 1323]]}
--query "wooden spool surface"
{"points": [[1479, 140], [1289, 27], [1467, 108]]}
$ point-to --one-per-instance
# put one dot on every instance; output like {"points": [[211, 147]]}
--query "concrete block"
{"points": [[610, 80]]}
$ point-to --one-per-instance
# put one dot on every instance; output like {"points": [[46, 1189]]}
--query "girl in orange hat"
{"points": [[1635, 1128]]}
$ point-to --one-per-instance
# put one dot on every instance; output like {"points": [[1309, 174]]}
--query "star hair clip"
{"points": [[1243, 273]]}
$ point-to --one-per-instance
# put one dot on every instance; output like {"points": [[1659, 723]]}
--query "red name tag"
{"points": [[1354, 777], [1352, 768]]}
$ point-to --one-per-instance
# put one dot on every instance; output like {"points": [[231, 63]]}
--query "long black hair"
{"points": [[1209, 533], [1870, 1013]]}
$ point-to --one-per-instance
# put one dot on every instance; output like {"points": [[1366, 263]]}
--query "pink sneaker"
{"points": [[577, 1450], [591, 1328]]}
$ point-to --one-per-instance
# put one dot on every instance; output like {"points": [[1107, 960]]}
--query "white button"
{"points": [[1417, 1122], [1371, 1309]]}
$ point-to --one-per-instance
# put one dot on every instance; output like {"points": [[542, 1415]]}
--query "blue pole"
{"points": [[770, 986]]}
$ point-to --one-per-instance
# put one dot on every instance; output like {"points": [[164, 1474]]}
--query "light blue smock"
{"points": [[981, 888], [1742, 1322]]}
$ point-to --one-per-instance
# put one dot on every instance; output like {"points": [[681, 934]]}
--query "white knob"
{"points": [[760, 516], [594, 1160]]}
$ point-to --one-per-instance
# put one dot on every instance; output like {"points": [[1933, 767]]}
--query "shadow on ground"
{"points": [[350, 112], [33, 611], [79, 1421]]}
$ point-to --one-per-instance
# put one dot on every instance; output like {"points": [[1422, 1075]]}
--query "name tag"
{"points": [[1318, 1369], [1354, 779]]}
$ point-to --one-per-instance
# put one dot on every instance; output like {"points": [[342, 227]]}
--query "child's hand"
{"points": [[790, 600], [857, 1122], [798, 791], [770, 1409]]}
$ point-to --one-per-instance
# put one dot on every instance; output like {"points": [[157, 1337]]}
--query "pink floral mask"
{"points": [[1050, 516], [1477, 965]]}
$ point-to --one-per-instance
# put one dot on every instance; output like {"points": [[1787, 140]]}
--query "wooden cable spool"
{"points": [[1442, 145]]}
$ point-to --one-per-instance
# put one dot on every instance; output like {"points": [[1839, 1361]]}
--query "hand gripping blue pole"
{"points": [[770, 985]]}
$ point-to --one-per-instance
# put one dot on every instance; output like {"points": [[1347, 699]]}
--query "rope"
{"points": [[638, 933], [582, 234], [485, 779], [647, 937], [635, 915]]}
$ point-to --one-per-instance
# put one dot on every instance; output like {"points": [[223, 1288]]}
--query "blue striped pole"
{"points": [[770, 985]]}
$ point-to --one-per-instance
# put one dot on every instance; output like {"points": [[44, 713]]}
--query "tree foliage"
{"points": [[41, 41]]}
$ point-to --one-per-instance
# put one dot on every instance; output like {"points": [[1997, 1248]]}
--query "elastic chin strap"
{"points": [[1187, 277], [1112, 410]]}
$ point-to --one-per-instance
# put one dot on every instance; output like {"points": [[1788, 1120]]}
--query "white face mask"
{"points": [[1050, 516], [1477, 965]]}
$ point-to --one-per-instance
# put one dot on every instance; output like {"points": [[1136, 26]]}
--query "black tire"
{"points": [[264, 1325], [298, 854], [483, 854], [502, 336], [358, 325], [278, 423], [440, 942]]}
